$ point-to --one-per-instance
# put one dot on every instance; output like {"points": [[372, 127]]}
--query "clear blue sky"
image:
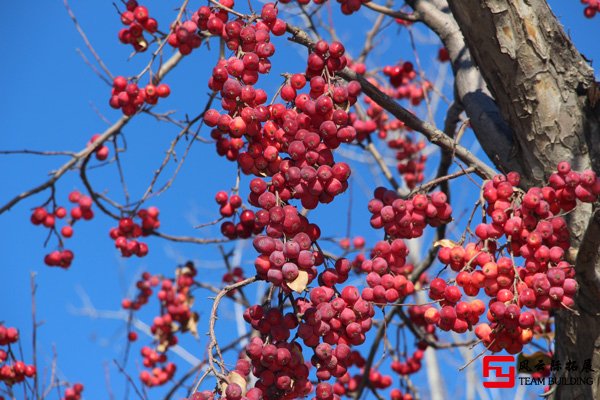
{"points": [[51, 101]]}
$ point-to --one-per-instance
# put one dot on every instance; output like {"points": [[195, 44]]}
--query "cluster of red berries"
{"points": [[215, 21], [348, 384], [357, 243], [129, 97], [254, 41], [248, 224], [407, 218], [280, 263], [593, 6], [101, 151], [73, 392], [137, 20], [386, 273], [82, 210], [307, 132], [412, 363], [271, 322], [536, 233], [185, 36], [128, 231], [176, 300], [17, 370], [176, 315], [454, 315], [402, 79], [144, 286], [159, 375], [342, 319], [411, 160], [278, 364], [311, 185], [280, 369], [279, 218]]}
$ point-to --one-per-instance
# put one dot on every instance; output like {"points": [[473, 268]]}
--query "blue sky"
{"points": [[52, 101]]}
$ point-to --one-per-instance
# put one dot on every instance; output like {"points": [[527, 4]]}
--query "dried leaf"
{"points": [[299, 284], [445, 243], [234, 377], [192, 325], [162, 347]]}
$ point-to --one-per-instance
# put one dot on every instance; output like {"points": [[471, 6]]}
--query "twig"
{"points": [[211, 327], [137, 391], [36, 389], [434, 182], [188, 239], [370, 147], [87, 42], [371, 36], [39, 153], [412, 17]]}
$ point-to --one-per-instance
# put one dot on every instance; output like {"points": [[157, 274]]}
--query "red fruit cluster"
{"points": [[254, 41], [73, 392], [271, 322], [280, 263], [175, 316], [401, 77], [536, 233], [386, 273], [16, 371], [358, 67], [82, 209], [280, 369], [8, 335], [101, 151], [215, 21], [396, 394], [159, 375], [40, 216], [411, 160], [185, 36], [129, 97], [137, 20], [357, 243], [593, 6], [347, 384], [373, 119], [307, 133], [280, 218], [311, 184], [407, 218], [128, 231], [455, 315], [144, 286], [343, 319], [248, 223], [412, 364]]}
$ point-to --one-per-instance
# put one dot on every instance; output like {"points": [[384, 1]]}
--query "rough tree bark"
{"points": [[540, 84]]}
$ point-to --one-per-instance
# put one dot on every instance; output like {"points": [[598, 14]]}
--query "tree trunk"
{"points": [[541, 85]]}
